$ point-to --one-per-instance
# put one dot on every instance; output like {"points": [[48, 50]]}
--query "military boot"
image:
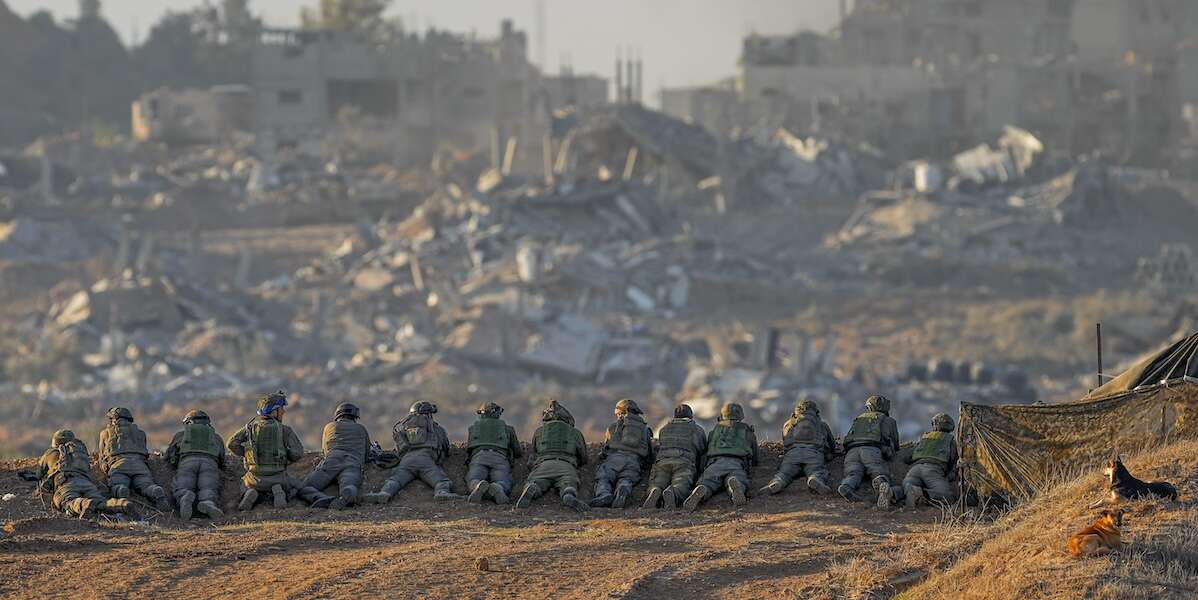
{"points": [[210, 509], [771, 488], [570, 498], [697, 496], [737, 490], [885, 494], [914, 495], [323, 501], [652, 499], [120, 506], [186, 501], [444, 491], [384, 495], [120, 491], [248, 499], [848, 493], [622, 494], [529, 493], [479, 492], [602, 500], [818, 486], [279, 496], [158, 495], [669, 499], [498, 494]]}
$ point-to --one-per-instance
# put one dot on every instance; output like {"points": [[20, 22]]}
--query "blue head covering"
{"points": [[272, 402]]}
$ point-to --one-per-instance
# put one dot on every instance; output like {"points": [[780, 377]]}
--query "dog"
{"points": [[1101, 537], [1123, 486]]}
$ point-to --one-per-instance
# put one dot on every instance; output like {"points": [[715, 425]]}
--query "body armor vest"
{"points": [[866, 430], [345, 436], [72, 458], [804, 431], [199, 438], [729, 439], [934, 446], [555, 439], [629, 436], [488, 432], [415, 432], [267, 451], [678, 438], [123, 439]]}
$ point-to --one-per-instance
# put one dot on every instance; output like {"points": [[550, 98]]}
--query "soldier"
{"points": [[267, 447], [809, 446], [123, 456], [627, 447], [65, 471], [935, 462], [346, 446], [682, 446], [492, 445], [731, 451], [872, 440], [198, 454], [422, 446], [558, 450]]}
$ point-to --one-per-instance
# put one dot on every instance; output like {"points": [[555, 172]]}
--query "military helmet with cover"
{"points": [[62, 436], [878, 404], [557, 412], [806, 407], [490, 409], [120, 412], [423, 408], [626, 406], [732, 412], [347, 410], [943, 422], [196, 416], [683, 411]]}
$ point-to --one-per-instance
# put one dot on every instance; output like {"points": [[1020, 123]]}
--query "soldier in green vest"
{"points": [[731, 451], [422, 446], [345, 444], [558, 450], [872, 440], [123, 454], [681, 446], [935, 464], [198, 455], [64, 470], [627, 448], [492, 446], [267, 447], [808, 446]]}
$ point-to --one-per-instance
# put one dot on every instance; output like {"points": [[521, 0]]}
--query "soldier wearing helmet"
{"points": [[872, 440], [267, 447], [681, 446], [808, 446], [492, 446], [558, 450], [64, 470], [731, 451], [198, 455], [123, 454], [422, 446], [345, 444], [935, 466], [627, 449]]}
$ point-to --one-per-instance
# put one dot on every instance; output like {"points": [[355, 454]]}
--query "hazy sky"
{"points": [[684, 42]]}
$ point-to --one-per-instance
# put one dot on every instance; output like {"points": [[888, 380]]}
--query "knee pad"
{"points": [[349, 492], [155, 491]]}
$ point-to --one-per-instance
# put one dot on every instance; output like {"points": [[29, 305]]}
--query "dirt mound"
{"points": [[48, 525]]}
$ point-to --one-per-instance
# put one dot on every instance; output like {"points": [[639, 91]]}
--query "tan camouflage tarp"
{"points": [[1015, 450]]}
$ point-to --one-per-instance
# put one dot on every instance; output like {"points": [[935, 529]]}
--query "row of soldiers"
{"points": [[685, 463]]}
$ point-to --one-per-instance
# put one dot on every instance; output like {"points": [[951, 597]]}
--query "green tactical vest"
{"points": [[629, 436], [555, 439], [805, 431], [866, 429], [729, 439], [72, 458], [488, 432], [266, 453], [678, 437], [935, 446], [199, 438], [123, 439]]}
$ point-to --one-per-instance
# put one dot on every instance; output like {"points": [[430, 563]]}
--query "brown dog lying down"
{"points": [[1099, 538]]}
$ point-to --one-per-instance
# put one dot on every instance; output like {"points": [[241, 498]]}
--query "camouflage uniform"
{"points": [[627, 446], [809, 446], [346, 446], [64, 470], [492, 445], [682, 445], [732, 450], [871, 442], [558, 450], [123, 456], [935, 462], [267, 447], [198, 455], [422, 446]]}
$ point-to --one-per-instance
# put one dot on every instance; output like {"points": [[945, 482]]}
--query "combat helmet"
{"points": [[806, 407], [557, 412], [683, 411], [943, 422], [271, 402], [490, 409], [62, 436], [196, 416], [423, 408], [732, 412], [347, 410], [120, 412], [878, 404], [626, 406]]}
